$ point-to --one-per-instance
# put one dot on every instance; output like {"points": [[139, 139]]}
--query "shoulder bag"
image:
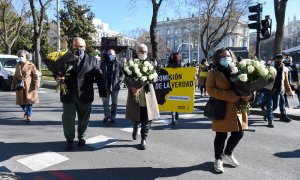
{"points": [[20, 82]]}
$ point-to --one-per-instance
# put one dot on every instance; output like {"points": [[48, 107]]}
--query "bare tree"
{"points": [[38, 16], [279, 8], [145, 38], [217, 19], [12, 20]]}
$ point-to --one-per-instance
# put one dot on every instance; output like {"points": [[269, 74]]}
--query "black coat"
{"points": [[117, 74], [80, 82]]}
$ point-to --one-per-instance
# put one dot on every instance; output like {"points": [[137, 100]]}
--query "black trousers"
{"points": [[232, 142], [145, 123]]}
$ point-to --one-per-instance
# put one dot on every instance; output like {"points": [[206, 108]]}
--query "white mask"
{"points": [[22, 59], [142, 56]]}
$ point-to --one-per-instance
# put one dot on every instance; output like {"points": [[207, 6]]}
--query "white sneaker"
{"points": [[231, 160], [219, 166]]}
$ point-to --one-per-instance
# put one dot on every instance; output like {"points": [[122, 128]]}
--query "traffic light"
{"points": [[266, 25], [255, 17]]}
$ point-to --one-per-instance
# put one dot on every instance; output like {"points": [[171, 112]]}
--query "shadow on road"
{"points": [[288, 154], [132, 173]]}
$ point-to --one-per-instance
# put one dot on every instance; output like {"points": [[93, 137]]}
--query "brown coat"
{"points": [[28, 95], [133, 109], [218, 86]]}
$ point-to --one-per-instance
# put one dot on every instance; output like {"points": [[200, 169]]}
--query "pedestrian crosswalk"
{"points": [[100, 141]]}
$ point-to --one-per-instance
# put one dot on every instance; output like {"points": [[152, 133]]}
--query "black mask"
{"points": [[78, 52]]}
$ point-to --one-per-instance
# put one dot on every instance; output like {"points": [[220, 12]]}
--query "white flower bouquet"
{"points": [[248, 76], [138, 73]]}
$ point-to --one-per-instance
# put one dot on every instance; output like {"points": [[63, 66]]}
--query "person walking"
{"points": [[274, 92], [218, 86], [80, 95], [113, 75], [147, 109], [174, 62], [28, 94], [203, 71]]}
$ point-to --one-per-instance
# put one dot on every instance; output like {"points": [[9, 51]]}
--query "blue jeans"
{"points": [[271, 104], [27, 108], [114, 102]]}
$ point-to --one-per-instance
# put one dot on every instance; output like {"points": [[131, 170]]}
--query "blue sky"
{"points": [[121, 17]]}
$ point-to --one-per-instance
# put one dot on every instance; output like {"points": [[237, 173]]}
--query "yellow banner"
{"points": [[175, 89]]}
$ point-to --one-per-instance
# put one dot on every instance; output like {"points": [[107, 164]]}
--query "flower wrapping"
{"points": [[248, 76], [55, 63]]}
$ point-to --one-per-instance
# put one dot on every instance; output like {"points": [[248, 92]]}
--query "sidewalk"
{"points": [[291, 112], [201, 101]]}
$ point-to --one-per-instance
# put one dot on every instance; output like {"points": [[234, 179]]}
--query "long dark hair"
{"points": [[171, 57]]}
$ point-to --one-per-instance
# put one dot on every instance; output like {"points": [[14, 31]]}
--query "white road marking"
{"points": [[162, 121], [130, 129], [100, 141], [42, 160], [186, 115]]}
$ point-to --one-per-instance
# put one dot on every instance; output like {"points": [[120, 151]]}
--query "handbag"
{"points": [[20, 82], [215, 109]]}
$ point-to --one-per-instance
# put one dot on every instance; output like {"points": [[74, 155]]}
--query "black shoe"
{"points": [[173, 123], [270, 126], [142, 146], [112, 121], [286, 119], [69, 145], [81, 143], [135, 130], [105, 120]]}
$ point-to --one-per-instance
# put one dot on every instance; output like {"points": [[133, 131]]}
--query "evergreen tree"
{"points": [[77, 21]]}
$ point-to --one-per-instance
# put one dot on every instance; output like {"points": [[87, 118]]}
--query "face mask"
{"points": [[110, 57], [142, 56], [225, 61], [22, 59], [79, 52]]}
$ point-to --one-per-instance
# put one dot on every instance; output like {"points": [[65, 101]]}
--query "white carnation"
{"points": [[151, 77], [136, 70], [234, 70], [129, 72], [136, 65], [256, 64], [126, 68], [248, 61], [155, 75], [139, 75], [150, 67], [250, 69], [143, 78], [145, 69], [136, 60], [243, 77], [231, 65], [243, 63], [146, 63], [131, 63], [264, 72], [272, 71]]}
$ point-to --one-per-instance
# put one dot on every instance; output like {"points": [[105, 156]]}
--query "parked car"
{"points": [[7, 70]]}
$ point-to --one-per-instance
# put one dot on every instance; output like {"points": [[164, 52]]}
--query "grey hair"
{"points": [[77, 39], [27, 54], [141, 46]]}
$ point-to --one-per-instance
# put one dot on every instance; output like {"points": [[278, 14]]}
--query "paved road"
{"points": [[34, 151]]}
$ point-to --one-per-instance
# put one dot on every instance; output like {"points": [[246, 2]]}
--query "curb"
{"points": [[258, 112]]}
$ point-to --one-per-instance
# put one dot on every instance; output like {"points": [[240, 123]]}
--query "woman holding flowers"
{"points": [[218, 86], [141, 107], [28, 94]]}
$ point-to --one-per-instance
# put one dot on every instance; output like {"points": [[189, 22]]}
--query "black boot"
{"points": [[69, 145], [135, 130], [143, 145]]}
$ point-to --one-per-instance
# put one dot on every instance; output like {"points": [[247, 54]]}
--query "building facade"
{"points": [[102, 30], [178, 34], [291, 34]]}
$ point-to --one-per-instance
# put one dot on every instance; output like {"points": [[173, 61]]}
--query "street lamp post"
{"points": [[189, 45], [58, 27]]}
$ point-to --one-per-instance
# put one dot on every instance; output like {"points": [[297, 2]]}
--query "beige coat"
{"points": [[218, 86], [133, 109], [28, 95]]}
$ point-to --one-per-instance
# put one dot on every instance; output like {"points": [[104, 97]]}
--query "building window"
{"points": [[233, 41], [245, 32], [175, 31], [167, 55], [157, 32], [290, 30], [168, 44], [175, 43], [195, 56], [183, 54], [168, 31], [244, 43]]}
